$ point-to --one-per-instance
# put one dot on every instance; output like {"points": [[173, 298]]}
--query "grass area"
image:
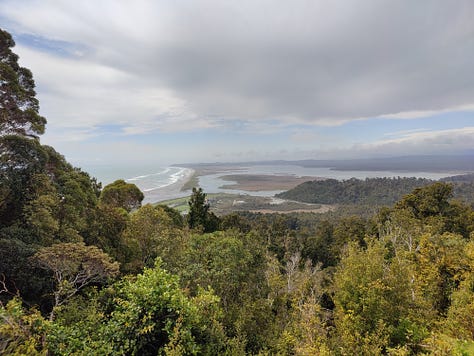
{"points": [[180, 204], [223, 203]]}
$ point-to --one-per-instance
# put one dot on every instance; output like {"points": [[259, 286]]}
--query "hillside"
{"points": [[371, 191]]}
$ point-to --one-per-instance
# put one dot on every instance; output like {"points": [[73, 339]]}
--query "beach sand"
{"points": [[170, 191]]}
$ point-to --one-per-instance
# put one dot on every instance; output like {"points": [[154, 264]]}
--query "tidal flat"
{"points": [[223, 203], [263, 182]]}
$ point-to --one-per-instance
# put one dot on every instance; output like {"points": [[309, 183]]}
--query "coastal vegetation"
{"points": [[371, 191], [86, 270]]}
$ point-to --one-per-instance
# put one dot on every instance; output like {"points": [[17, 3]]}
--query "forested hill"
{"points": [[464, 178], [371, 191]]}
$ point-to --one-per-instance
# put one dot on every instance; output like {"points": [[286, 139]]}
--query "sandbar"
{"points": [[263, 182]]}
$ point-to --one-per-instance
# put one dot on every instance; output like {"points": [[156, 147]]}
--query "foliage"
{"points": [[176, 217], [145, 315], [369, 192], [199, 215], [108, 229], [19, 109], [20, 159], [120, 194], [152, 311], [150, 233], [17, 271], [74, 266], [21, 333], [374, 191]]}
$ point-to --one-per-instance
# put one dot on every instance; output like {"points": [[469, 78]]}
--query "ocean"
{"points": [[156, 183], [163, 178], [163, 183]]}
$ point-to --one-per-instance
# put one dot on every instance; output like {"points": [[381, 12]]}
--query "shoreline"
{"points": [[247, 180], [191, 181], [173, 190]]}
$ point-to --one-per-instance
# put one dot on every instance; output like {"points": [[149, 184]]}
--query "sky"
{"points": [[166, 82]]}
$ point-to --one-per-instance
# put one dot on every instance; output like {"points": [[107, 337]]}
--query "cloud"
{"points": [[427, 113], [76, 92], [427, 142], [401, 143], [173, 65]]}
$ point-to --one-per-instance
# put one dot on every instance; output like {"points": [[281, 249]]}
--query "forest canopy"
{"points": [[371, 191]]}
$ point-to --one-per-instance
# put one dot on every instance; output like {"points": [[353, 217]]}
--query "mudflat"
{"points": [[262, 182]]}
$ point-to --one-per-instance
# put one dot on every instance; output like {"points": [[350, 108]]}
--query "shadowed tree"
{"points": [[199, 215], [198, 208], [20, 159]]}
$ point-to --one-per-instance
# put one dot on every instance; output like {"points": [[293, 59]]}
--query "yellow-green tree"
{"points": [[375, 306], [74, 266], [151, 233]]}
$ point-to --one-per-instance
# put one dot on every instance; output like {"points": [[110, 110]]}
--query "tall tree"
{"points": [[199, 215], [18, 104], [198, 208], [20, 159]]}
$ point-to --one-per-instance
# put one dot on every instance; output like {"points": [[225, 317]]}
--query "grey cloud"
{"points": [[312, 61], [371, 60]]}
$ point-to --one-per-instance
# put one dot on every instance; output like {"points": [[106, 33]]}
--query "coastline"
{"points": [[191, 181], [173, 190], [262, 181]]}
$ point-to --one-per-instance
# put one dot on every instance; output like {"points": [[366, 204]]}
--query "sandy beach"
{"points": [[171, 191]]}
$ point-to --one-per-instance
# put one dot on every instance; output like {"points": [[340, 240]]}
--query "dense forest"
{"points": [[86, 270], [371, 191]]}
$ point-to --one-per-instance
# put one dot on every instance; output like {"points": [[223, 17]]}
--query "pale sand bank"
{"points": [[170, 191], [264, 182]]}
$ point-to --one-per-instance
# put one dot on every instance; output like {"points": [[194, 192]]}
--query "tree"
{"points": [[18, 105], [199, 215], [174, 214], [20, 159], [377, 305], [198, 208], [425, 202], [21, 333], [121, 194], [109, 225], [40, 213], [78, 195], [233, 265], [74, 266], [150, 233], [147, 314], [152, 314]]}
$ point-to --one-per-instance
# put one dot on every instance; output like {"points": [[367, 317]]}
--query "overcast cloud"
{"points": [[167, 66]]}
